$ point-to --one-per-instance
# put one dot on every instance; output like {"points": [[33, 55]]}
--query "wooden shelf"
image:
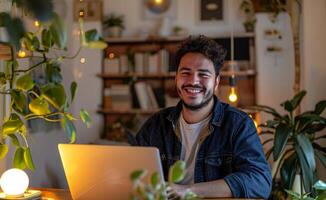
{"points": [[171, 75], [127, 112], [173, 38], [5, 52]]}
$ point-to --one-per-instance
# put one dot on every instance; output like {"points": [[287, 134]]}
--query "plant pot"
{"points": [[114, 31], [296, 187]]}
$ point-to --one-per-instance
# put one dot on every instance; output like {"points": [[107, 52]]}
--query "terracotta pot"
{"points": [[114, 31]]}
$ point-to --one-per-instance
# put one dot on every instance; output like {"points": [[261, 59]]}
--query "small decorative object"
{"points": [[14, 183], [165, 29], [89, 10], [179, 31], [250, 20], [211, 10], [114, 24], [160, 9]]}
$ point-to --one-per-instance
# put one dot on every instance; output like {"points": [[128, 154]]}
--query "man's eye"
{"points": [[185, 73], [204, 75]]}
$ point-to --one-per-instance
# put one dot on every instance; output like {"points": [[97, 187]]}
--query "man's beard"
{"points": [[207, 98]]}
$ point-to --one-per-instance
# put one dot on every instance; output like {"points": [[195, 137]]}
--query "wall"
{"points": [[313, 58]]}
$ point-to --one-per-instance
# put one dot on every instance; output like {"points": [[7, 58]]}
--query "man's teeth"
{"points": [[193, 90]]}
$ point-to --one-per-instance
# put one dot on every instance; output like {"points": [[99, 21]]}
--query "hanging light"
{"points": [[37, 23], [233, 97]]}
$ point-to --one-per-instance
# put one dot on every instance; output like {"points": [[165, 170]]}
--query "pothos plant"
{"points": [[157, 189], [295, 142], [28, 99]]}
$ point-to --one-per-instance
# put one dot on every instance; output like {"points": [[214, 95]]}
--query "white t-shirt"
{"points": [[189, 139]]}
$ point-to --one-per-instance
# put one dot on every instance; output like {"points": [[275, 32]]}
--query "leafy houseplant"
{"points": [[248, 9], [157, 189], [114, 24], [295, 142], [28, 99]]}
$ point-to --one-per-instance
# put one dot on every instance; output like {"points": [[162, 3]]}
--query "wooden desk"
{"points": [[63, 194]]}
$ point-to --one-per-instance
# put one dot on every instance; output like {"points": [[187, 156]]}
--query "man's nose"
{"points": [[194, 79]]}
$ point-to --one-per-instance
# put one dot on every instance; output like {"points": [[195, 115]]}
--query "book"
{"points": [[152, 98], [111, 66], [142, 95]]}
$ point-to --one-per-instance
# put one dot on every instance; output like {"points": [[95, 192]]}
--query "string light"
{"points": [[111, 55], [37, 23], [82, 60], [21, 53]]}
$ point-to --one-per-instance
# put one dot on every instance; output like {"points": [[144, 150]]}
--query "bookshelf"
{"points": [[127, 63]]}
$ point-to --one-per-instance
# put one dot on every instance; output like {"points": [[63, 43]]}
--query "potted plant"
{"points": [[247, 7], [114, 25], [28, 99], [295, 146]]}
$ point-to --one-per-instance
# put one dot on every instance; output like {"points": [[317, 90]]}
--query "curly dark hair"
{"points": [[202, 44]]}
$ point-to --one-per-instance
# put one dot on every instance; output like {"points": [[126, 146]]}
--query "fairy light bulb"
{"points": [[82, 60], [14, 182], [37, 23], [21, 53]]}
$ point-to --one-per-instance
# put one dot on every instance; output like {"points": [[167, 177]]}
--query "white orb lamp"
{"points": [[14, 182]]}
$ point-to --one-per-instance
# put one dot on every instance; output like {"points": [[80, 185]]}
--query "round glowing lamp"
{"points": [[14, 182]]}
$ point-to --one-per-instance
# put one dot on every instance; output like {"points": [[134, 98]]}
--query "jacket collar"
{"points": [[217, 115]]}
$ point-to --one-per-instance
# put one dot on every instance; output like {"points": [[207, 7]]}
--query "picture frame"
{"points": [[89, 10], [211, 11]]}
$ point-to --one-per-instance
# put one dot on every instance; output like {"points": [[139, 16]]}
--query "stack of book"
{"points": [[139, 63]]}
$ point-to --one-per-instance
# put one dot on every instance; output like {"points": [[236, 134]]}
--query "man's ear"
{"points": [[217, 81]]}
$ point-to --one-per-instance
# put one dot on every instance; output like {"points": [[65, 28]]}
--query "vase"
{"points": [[114, 31]]}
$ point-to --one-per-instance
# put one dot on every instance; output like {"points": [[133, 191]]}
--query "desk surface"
{"points": [[63, 194]]}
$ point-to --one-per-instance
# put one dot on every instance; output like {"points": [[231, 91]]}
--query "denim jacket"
{"points": [[231, 151]]}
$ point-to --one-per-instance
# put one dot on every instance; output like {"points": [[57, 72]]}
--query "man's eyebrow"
{"points": [[205, 71], [184, 69]]}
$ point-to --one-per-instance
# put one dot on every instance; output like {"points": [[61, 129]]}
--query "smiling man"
{"points": [[219, 143]]}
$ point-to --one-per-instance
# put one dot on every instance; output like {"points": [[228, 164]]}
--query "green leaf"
{"points": [[155, 180], [54, 94], [19, 161], [19, 99], [288, 170], [294, 194], [97, 45], [137, 175], [321, 157], [91, 35], [266, 109], [14, 140], [177, 171], [307, 149], [25, 82], [3, 79], [53, 72], [47, 40], [282, 134], [69, 128], [15, 28], [73, 89], [297, 99], [39, 106], [306, 171], [11, 126], [320, 107], [59, 32], [85, 117], [28, 159], [287, 106], [320, 185], [3, 150]]}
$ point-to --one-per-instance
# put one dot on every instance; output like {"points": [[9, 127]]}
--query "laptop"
{"points": [[103, 172]]}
